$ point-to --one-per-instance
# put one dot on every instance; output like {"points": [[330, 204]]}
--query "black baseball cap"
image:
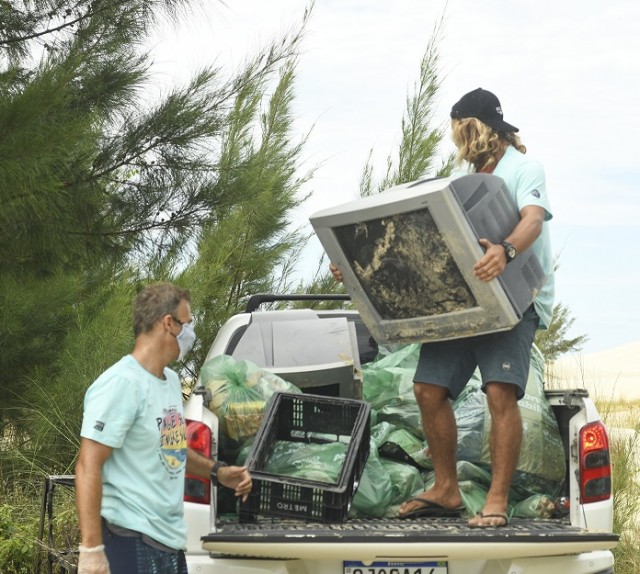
{"points": [[483, 105]]}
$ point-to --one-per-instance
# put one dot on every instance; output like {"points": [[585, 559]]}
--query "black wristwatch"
{"points": [[217, 465], [510, 251]]}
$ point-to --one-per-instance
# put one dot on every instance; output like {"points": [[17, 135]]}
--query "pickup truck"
{"points": [[576, 541], [579, 541]]}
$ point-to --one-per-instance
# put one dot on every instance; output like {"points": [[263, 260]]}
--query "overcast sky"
{"points": [[567, 74]]}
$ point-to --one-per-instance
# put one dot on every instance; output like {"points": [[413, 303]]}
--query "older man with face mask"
{"points": [[133, 453]]}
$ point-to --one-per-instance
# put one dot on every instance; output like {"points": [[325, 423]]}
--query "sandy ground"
{"points": [[611, 375]]}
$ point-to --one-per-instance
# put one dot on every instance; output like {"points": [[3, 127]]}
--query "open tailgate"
{"points": [[387, 539]]}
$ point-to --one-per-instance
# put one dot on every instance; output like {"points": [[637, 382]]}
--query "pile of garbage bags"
{"points": [[398, 466]]}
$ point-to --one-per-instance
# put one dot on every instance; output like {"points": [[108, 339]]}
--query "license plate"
{"points": [[354, 567]]}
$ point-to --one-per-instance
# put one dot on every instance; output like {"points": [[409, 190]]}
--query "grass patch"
{"points": [[19, 520], [621, 419], [625, 460], [17, 542], [20, 549], [620, 416]]}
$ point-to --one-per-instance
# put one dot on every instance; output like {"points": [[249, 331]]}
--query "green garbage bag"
{"points": [[403, 412], [469, 471], [388, 432], [394, 444], [321, 462], [473, 422], [472, 482], [536, 506], [406, 481], [240, 391], [381, 379], [243, 453], [422, 458], [408, 441], [399, 355], [374, 492], [535, 474], [380, 432], [473, 496], [387, 384]]}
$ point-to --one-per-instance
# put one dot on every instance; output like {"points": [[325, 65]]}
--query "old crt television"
{"points": [[407, 258]]}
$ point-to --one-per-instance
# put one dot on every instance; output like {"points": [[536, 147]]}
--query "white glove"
{"points": [[93, 560]]}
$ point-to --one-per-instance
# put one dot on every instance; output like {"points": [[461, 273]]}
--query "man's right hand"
{"points": [[337, 274], [237, 478], [93, 561]]}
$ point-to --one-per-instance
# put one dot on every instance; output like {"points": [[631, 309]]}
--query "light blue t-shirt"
{"points": [[141, 417], [526, 182]]}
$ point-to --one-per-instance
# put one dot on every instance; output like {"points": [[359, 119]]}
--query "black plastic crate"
{"points": [[310, 419]]}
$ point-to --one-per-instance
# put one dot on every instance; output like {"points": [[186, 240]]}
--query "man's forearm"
{"points": [[528, 229], [197, 464], [88, 502]]}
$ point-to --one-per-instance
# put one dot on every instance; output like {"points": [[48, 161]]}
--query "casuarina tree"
{"points": [[104, 183]]}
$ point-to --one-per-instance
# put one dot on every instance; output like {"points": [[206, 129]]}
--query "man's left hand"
{"points": [[492, 263]]}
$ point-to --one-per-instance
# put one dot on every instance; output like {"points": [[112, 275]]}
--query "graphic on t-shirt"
{"points": [[173, 440]]}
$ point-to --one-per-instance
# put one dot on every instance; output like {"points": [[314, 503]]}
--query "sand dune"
{"points": [[613, 374]]}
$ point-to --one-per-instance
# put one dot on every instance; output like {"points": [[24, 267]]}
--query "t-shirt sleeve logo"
{"points": [[173, 440], [535, 193], [99, 426]]}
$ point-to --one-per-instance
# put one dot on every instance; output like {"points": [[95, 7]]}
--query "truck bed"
{"points": [[387, 539], [283, 545]]}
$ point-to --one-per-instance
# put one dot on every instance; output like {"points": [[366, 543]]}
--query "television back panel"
{"points": [[493, 215], [407, 258]]}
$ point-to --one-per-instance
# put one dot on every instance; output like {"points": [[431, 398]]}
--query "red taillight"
{"points": [[197, 489], [595, 463]]}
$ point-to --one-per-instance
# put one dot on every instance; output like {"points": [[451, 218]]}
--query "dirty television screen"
{"points": [[407, 256]]}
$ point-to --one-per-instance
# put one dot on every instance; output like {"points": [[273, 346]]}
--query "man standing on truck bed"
{"points": [[490, 145], [131, 467]]}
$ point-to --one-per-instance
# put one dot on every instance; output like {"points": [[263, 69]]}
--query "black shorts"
{"points": [[502, 357]]}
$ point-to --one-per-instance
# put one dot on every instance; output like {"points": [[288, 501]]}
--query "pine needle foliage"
{"points": [[420, 140], [106, 184], [553, 341], [48, 405], [247, 246]]}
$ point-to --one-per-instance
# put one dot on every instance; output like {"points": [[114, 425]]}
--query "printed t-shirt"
{"points": [[141, 417]]}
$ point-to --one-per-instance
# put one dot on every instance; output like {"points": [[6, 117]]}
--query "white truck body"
{"points": [[578, 543]]}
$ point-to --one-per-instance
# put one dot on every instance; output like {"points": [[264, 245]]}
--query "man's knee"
{"points": [[430, 396], [502, 397]]}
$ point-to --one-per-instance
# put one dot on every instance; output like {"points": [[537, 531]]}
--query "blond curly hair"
{"points": [[480, 145]]}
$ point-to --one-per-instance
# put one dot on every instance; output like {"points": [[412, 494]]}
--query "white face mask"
{"points": [[185, 338]]}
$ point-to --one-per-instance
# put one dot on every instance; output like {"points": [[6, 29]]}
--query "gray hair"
{"points": [[154, 302]]}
